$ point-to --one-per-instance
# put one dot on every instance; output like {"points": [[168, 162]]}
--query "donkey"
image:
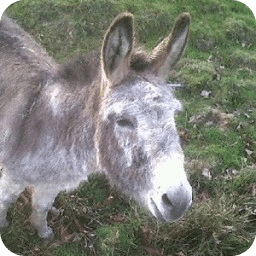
{"points": [[109, 111]]}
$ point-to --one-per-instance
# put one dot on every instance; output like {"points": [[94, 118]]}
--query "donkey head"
{"points": [[138, 144]]}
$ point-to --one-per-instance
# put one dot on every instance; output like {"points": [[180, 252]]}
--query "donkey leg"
{"points": [[9, 192], [42, 200]]}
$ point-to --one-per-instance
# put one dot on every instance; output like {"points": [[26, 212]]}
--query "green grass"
{"points": [[218, 132]]}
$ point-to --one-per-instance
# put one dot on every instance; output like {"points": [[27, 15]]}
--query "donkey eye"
{"points": [[124, 122]]}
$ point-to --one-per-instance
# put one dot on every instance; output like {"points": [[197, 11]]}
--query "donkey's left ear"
{"points": [[169, 51], [117, 48]]}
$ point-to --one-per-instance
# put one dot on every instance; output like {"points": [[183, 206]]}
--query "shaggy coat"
{"points": [[110, 111]]}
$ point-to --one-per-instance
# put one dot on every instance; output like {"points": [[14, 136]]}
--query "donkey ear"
{"points": [[169, 51], [117, 47]]}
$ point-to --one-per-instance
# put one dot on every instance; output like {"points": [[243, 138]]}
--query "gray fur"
{"points": [[110, 111]]}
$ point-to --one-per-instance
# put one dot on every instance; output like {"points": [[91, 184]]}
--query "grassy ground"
{"points": [[217, 129]]}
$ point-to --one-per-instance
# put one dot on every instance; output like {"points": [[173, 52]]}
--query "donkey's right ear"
{"points": [[169, 51], [117, 47]]}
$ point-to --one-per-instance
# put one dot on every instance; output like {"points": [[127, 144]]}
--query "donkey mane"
{"points": [[82, 70]]}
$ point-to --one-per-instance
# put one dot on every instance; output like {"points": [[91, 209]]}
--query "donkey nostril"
{"points": [[166, 200]]}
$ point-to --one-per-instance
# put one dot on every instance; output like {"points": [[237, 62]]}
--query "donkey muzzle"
{"points": [[171, 205]]}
